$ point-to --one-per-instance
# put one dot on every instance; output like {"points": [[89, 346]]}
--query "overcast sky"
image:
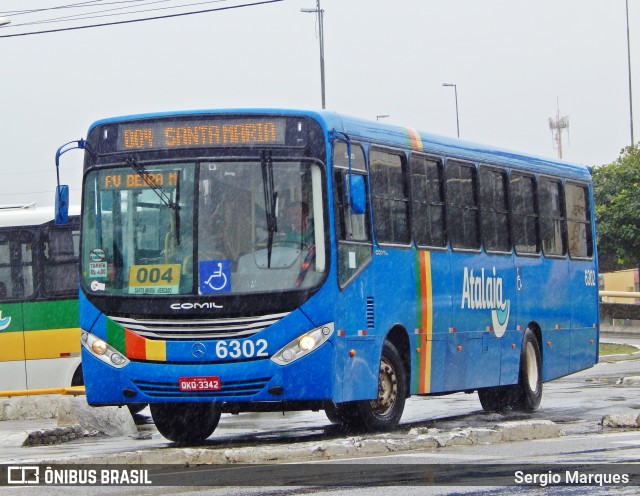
{"points": [[511, 60]]}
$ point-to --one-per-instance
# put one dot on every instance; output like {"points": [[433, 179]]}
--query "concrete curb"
{"points": [[416, 439], [621, 421]]}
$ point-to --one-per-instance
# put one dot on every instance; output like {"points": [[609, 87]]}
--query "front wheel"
{"points": [[384, 412], [185, 423]]}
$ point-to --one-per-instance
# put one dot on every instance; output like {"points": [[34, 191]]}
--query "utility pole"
{"points": [[629, 66], [557, 126], [320, 13]]}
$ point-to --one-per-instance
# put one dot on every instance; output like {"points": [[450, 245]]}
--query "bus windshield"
{"points": [[203, 228]]}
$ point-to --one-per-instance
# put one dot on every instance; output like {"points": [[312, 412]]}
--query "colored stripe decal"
{"points": [[133, 345], [425, 319], [415, 139], [140, 348], [156, 350], [136, 348], [115, 335]]}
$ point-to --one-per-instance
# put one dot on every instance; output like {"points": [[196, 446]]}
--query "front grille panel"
{"points": [[232, 388], [184, 329]]}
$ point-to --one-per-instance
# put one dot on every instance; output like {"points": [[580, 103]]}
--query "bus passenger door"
{"points": [[12, 356], [357, 375], [51, 323]]}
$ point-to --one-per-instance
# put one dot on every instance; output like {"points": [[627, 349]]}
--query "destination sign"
{"points": [[133, 180], [194, 133]]}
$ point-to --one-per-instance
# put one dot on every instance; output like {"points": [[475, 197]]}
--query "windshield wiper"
{"points": [[270, 200], [162, 194]]}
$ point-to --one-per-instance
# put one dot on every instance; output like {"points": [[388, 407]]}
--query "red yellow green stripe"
{"points": [[135, 346], [415, 141], [424, 320]]}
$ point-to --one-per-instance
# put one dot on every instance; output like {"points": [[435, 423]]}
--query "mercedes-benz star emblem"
{"points": [[198, 350]]}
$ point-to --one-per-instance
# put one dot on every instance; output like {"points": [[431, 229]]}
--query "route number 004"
{"points": [[241, 349]]}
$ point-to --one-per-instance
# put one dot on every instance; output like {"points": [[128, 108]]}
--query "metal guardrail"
{"points": [[72, 391], [620, 294]]}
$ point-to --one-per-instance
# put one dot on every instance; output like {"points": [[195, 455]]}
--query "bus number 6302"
{"points": [[241, 349]]}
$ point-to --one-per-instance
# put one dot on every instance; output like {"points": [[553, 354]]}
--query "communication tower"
{"points": [[556, 126]]}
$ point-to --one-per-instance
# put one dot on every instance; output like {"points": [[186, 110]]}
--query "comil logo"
{"points": [[484, 292]]}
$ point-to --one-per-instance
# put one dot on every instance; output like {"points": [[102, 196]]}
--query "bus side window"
{"points": [[390, 197], [16, 265], [524, 213], [462, 205], [552, 219], [61, 261], [353, 231], [578, 221], [494, 210], [427, 198]]}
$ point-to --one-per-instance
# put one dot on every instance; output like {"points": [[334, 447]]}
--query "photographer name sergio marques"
{"points": [[570, 477]]}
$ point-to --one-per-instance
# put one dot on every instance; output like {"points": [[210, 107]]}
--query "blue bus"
{"points": [[272, 260]]}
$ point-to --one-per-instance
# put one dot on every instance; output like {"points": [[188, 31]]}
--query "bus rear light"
{"points": [[303, 345], [103, 351]]}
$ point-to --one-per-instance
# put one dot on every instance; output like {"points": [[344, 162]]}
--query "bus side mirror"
{"points": [[62, 204], [357, 195]]}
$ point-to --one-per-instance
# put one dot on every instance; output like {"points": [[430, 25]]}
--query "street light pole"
{"points": [[629, 65], [455, 89], [320, 13], [381, 116]]}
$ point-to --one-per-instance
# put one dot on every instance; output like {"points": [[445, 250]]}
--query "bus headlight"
{"points": [[103, 351], [303, 345]]}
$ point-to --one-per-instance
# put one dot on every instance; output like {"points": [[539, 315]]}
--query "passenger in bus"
{"points": [[3, 291]]}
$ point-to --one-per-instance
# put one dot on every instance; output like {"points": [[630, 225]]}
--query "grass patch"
{"points": [[616, 349]]}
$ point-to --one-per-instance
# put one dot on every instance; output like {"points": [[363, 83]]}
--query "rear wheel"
{"points": [[527, 394], [530, 384], [384, 412], [185, 423]]}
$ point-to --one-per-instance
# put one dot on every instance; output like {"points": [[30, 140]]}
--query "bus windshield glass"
{"points": [[203, 228]]}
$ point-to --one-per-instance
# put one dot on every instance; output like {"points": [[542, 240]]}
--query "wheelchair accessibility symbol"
{"points": [[215, 276]]}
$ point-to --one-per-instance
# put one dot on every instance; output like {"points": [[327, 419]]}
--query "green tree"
{"points": [[616, 189]]}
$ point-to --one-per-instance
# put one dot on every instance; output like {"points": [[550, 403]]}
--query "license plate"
{"points": [[199, 383]]}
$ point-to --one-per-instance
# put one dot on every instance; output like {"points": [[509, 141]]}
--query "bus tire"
{"points": [[498, 399], [185, 423], [530, 380], [78, 378], [527, 394], [333, 414], [383, 413]]}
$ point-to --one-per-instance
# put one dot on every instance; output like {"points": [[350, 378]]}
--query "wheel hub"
{"points": [[387, 389]]}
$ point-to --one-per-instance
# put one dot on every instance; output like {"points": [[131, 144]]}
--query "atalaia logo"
{"points": [[484, 292]]}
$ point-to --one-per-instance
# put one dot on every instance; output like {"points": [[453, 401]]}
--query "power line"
{"points": [[168, 16], [94, 14]]}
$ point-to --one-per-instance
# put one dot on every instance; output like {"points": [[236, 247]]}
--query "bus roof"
{"points": [[29, 215], [398, 136]]}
